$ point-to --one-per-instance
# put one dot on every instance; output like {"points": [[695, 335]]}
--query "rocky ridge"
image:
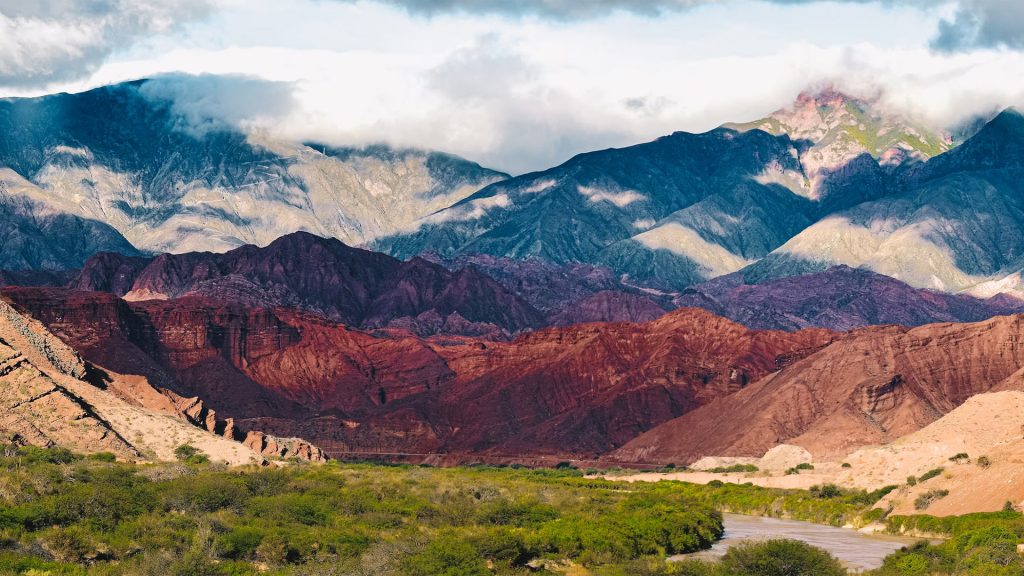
{"points": [[580, 390], [867, 388]]}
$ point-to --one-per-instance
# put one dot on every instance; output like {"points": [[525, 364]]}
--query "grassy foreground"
{"points": [[63, 514]]}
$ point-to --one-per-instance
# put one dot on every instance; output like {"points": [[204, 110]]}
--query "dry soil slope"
{"points": [[48, 402]]}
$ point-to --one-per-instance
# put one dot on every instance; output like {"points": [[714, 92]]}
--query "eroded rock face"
{"points": [[54, 398], [580, 390], [349, 285], [285, 448], [869, 387]]}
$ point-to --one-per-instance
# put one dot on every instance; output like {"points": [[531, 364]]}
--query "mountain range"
{"points": [[822, 283], [690, 207], [119, 168], [830, 180]]}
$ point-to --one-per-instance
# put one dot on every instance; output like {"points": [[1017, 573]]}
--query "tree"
{"points": [[780, 558], [189, 454]]}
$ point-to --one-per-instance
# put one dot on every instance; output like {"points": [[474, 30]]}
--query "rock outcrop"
{"points": [[579, 390], [51, 397], [869, 387]]}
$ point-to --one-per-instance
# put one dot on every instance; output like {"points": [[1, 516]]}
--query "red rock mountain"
{"points": [[324, 276], [869, 387], [576, 391]]}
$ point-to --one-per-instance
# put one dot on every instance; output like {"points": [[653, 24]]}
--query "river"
{"points": [[858, 552]]}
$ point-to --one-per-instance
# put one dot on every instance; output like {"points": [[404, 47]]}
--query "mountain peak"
{"points": [[837, 129]]}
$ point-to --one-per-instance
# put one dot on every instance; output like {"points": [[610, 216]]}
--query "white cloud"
{"points": [[472, 210], [526, 94], [208, 102], [45, 41], [621, 199]]}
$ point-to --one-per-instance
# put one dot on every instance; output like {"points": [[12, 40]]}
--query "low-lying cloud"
{"points": [[207, 103], [500, 103]]}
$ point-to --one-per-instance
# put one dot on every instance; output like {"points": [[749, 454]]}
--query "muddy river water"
{"points": [[859, 552]]}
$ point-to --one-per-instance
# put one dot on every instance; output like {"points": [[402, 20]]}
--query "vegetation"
{"points": [[802, 466], [931, 474], [779, 558], [828, 505], [68, 515], [755, 558], [978, 544], [62, 514], [734, 468], [190, 454], [983, 461], [826, 491], [925, 500], [960, 458]]}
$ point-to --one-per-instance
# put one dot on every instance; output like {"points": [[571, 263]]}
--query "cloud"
{"points": [[983, 24], [559, 9], [47, 41], [206, 103], [975, 23]]}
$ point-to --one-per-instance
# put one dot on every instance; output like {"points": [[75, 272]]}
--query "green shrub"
{"points": [[826, 491], [446, 556], [103, 457], [190, 454], [960, 458], [240, 543], [779, 558], [799, 467], [984, 461], [734, 469], [923, 501], [911, 480], [931, 474]]}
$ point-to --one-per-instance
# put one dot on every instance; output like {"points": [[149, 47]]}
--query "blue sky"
{"points": [[520, 85]]}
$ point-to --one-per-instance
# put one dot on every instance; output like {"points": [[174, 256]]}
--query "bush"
{"points": [[826, 491], [103, 457], [931, 474], [911, 481], [925, 500], [847, 465], [190, 454], [960, 458], [779, 558], [802, 466], [446, 556], [984, 461], [733, 469]]}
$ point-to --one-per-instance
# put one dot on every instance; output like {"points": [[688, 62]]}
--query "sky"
{"points": [[516, 85]]}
